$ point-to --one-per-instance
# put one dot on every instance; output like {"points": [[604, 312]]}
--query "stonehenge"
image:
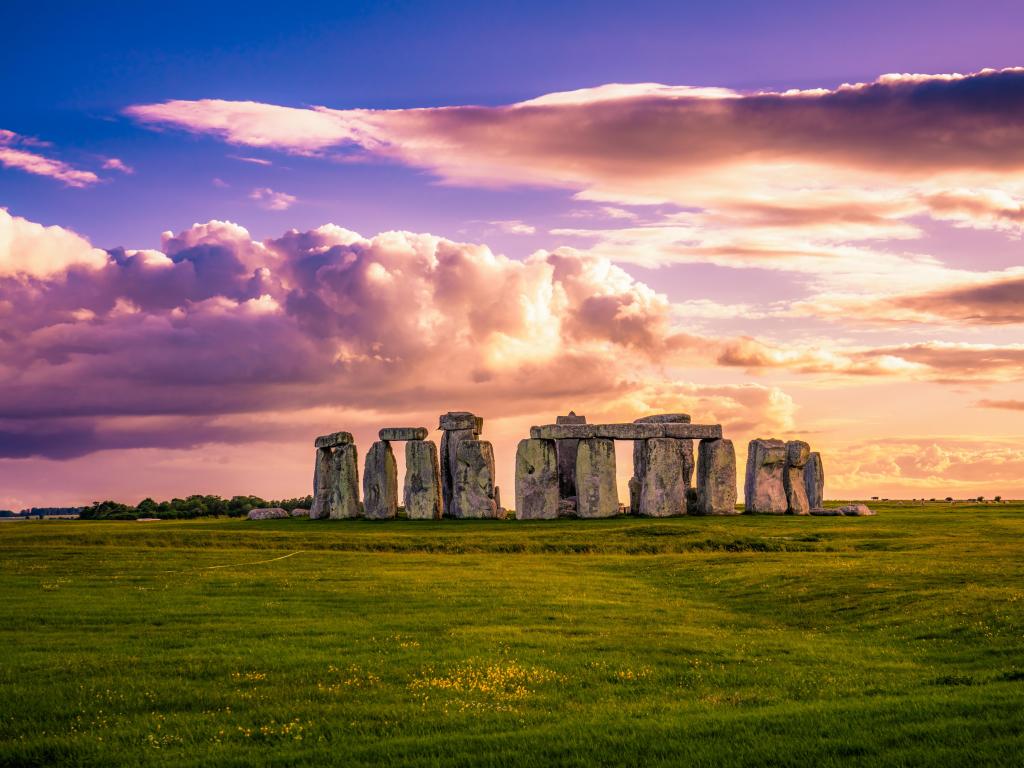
{"points": [[564, 469]]}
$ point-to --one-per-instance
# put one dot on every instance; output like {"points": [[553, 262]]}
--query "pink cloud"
{"points": [[14, 155], [114, 164], [267, 198]]}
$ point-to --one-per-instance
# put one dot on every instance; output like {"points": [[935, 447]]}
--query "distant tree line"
{"points": [[187, 508]]}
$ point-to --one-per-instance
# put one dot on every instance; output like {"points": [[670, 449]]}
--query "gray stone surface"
{"points": [[300, 512], [664, 418], [571, 418], [597, 495], [763, 491], [322, 482], [662, 485], [267, 513], [473, 494], [716, 478], [537, 476], [847, 510], [456, 420], [380, 482], [403, 433], [421, 492], [797, 454], [814, 481], [344, 484], [626, 431], [333, 439], [449, 450], [566, 450]]}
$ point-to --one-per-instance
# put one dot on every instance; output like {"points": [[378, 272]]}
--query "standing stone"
{"points": [[457, 426], [473, 494], [566, 450], [797, 454], [634, 495], [716, 478], [380, 482], [596, 491], [322, 471], [663, 485], [422, 489], [763, 491], [538, 476], [344, 483], [814, 481]]}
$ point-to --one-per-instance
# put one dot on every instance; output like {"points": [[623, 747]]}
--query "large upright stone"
{"points": [[344, 484], [716, 478], [538, 471], [663, 484], [596, 491], [566, 450], [380, 482], [797, 454], [473, 494], [450, 440], [763, 491], [422, 488], [814, 481], [322, 482]]}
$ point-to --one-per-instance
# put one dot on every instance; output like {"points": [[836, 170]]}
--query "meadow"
{"points": [[894, 640]]}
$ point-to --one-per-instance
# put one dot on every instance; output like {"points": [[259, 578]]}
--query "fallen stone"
{"points": [[626, 431], [537, 480], [763, 491], [597, 494], [716, 478], [323, 480], [403, 433], [814, 481], [344, 489], [664, 418], [821, 512], [380, 482], [450, 440], [300, 512], [473, 494], [856, 510], [267, 513], [456, 420], [333, 439], [797, 454], [422, 488], [662, 485]]}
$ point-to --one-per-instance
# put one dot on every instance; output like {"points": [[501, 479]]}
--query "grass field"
{"points": [[892, 640]]}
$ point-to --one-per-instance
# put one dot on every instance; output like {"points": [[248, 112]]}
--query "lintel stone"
{"points": [[626, 431], [403, 433], [334, 439]]}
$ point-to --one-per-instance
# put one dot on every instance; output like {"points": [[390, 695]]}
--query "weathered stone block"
{"points": [[716, 478], [664, 418], [322, 483], [662, 485], [814, 481], [597, 494], [626, 431], [797, 454], [450, 440], [333, 439], [537, 474], [421, 491], [267, 513], [403, 433], [566, 452], [344, 484], [456, 420], [380, 482], [473, 494], [571, 418], [693, 432], [763, 491]]}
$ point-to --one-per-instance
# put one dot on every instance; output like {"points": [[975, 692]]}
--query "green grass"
{"points": [[757, 641]]}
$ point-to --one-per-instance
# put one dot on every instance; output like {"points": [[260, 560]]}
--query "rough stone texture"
{"points": [[634, 495], [422, 488], [333, 439], [571, 418], [664, 418], [497, 502], [797, 453], [344, 488], [856, 510], [380, 482], [456, 420], [449, 450], [269, 513], [403, 433], [538, 468], [814, 481], [626, 431], [300, 512], [322, 482], [716, 478], [662, 485], [763, 491], [473, 495], [566, 450], [567, 507], [597, 495]]}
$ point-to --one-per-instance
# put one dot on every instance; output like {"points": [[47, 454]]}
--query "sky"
{"points": [[226, 230]]}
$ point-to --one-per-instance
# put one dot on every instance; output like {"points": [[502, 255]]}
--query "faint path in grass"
{"points": [[239, 565]]}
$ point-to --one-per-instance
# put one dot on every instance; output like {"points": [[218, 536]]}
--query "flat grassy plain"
{"points": [[750, 641]]}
